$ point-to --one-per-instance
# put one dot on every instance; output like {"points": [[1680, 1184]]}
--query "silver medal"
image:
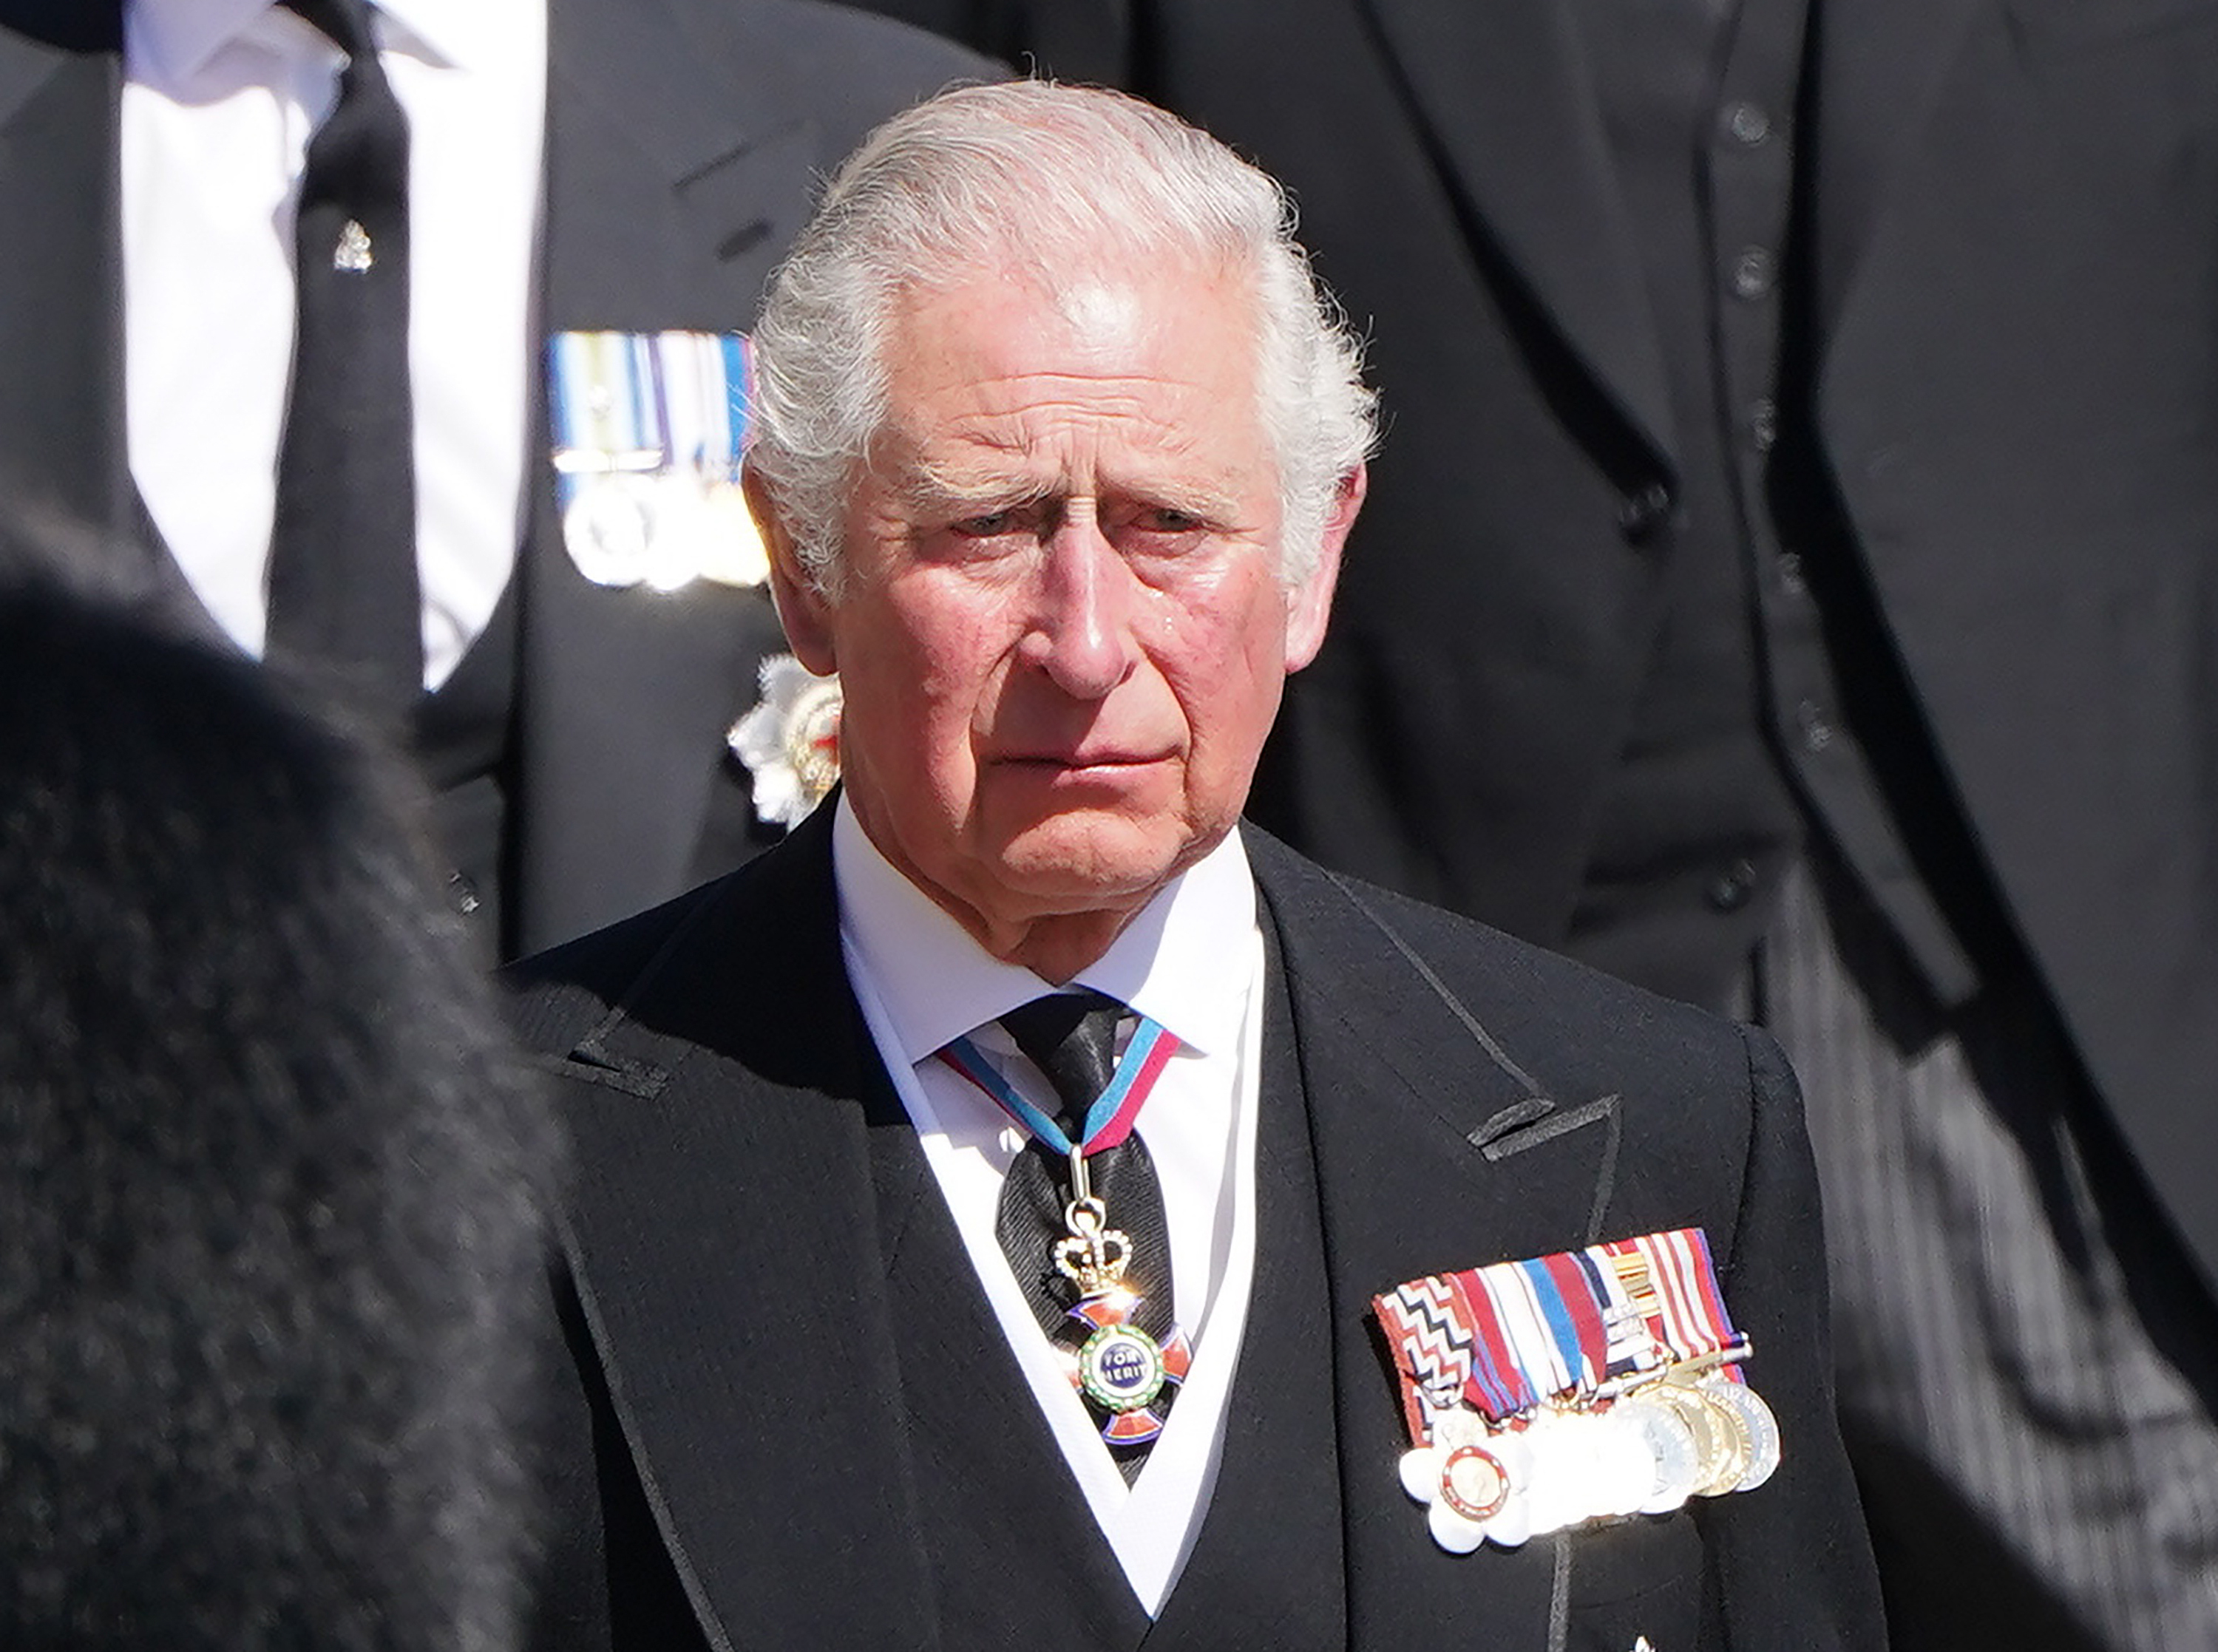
{"points": [[1762, 1430]]}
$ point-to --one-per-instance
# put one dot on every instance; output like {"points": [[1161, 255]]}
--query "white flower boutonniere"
{"points": [[791, 740]]}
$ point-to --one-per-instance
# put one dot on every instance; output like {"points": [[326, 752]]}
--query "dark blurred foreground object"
{"points": [[270, 1182]]}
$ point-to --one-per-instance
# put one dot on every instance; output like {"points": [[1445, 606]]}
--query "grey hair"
{"points": [[1034, 175]]}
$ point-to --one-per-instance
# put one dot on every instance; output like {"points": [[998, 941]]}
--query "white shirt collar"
{"points": [[1174, 962], [175, 40], [459, 34]]}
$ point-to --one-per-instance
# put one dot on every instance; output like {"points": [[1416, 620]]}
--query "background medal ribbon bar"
{"points": [[648, 430]]}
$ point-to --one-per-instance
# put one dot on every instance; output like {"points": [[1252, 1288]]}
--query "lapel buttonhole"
{"points": [[1539, 1122], [742, 240], [1517, 1114], [594, 1063]]}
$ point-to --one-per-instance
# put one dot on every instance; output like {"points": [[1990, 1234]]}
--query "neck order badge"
{"points": [[1118, 1367]]}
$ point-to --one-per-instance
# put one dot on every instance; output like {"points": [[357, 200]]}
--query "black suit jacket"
{"points": [[729, 1452], [2014, 231], [682, 144]]}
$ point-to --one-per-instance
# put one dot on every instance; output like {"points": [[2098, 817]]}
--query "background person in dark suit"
{"points": [[272, 1183], [1790, 585], [574, 165], [1058, 451]]}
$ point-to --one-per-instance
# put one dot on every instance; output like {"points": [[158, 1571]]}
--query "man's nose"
{"points": [[1081, 634]]}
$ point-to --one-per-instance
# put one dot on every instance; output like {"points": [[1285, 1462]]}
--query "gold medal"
{"points": [[1721, 1444]]}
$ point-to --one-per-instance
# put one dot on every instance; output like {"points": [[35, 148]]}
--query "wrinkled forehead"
{"points": [[1101, 315], [1098, 309], [1166, 356]]}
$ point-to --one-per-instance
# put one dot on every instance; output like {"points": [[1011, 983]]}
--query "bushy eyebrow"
{"points": [[933, 493]]}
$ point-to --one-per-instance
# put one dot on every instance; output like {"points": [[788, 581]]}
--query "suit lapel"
{"points": [[725, 1249], [61, 298], [672, 182], [1879, 70], [1505, 93], [1398, 1085]]}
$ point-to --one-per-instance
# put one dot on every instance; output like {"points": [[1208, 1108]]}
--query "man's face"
{"points": [[1062, 635]]}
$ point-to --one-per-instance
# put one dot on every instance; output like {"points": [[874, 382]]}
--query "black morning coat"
{"points": [[788, 1419]]}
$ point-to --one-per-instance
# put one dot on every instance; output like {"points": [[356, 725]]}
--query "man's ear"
{"points": [[802, 608], [1309, 603]]}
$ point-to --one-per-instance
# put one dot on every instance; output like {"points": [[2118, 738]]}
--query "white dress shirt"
{"points": [[220, 99], [1193, 960]]}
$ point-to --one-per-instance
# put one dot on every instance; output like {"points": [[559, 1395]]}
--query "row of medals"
{"points": [[1689, 1432]]}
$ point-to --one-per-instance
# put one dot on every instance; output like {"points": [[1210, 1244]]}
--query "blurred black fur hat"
{"points": [[270, 1180]]}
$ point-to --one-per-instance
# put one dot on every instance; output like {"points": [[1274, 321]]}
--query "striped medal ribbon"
{"points": [[1108, 1121], [1670, 1281]]}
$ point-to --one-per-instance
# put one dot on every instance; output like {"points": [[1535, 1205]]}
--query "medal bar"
{"points": [[1582, 1386]]}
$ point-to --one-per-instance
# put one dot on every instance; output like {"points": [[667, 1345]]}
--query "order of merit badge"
{"points": [[1120, 1369], [1585, 1385]]}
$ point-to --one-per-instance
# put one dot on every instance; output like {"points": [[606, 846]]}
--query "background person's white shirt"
{"points": [[1192, 960], [220, 100]]}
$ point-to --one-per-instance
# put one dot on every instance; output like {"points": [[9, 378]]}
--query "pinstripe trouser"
{"points": [[2028, 1370]]}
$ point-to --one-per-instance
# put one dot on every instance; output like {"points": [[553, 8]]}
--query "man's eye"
{"points": [[992, 524], [1164, 520]]}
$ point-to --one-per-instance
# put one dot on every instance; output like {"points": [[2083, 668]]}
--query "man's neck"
{"points": [[1055, 945], [1056, 949], [937, 980]]}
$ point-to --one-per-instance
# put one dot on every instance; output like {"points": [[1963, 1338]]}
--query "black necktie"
{"points": [[1072, 1038], [343, 594]]}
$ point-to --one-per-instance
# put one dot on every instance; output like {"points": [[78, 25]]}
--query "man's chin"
{"points": [[1086, 860]]}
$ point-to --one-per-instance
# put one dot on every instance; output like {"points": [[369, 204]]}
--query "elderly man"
{"points": [[1417, 1301]]}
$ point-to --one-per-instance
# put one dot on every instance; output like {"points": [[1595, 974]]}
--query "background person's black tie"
{"points": [[344, 592], [1072, 1038]]}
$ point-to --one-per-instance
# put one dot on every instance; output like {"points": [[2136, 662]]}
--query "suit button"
{"points": [[1790, 573], [1762, 424], [463, 893], [1747, 123], [1817, 727], [1642, 514], [1752, 273], [1730, 890]]}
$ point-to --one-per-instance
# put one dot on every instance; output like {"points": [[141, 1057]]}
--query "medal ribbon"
{"points": [[1673, 1282], [1629, 1348], [1109, 1120], [1503, 1337], [1575, 1315], [1429, 1332], [1526, 1321], [1497, 1385]]}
